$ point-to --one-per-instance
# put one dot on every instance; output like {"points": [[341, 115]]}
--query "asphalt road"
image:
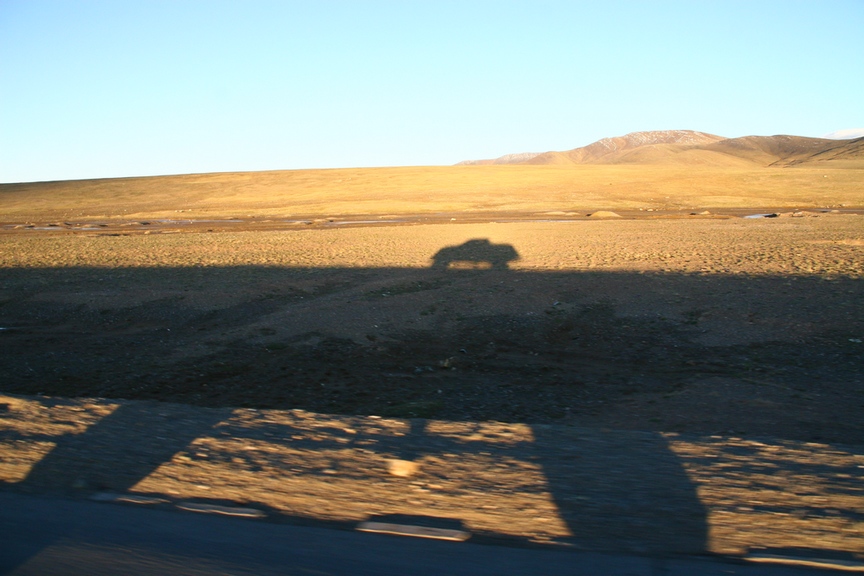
{"points": [[40, 535]]}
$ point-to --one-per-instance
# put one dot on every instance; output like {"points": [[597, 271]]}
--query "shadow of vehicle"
{"points": [[477, 253]]}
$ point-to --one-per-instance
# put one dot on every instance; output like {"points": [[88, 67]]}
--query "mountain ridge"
{"points": [[691, 147]]}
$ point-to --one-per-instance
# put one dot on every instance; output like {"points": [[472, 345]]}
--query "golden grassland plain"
{"points": [[424, 190]]}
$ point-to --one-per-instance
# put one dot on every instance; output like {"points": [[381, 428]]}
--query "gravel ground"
{"points": [[665, 385]]}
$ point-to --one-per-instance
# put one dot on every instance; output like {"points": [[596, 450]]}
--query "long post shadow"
{"points": [[75, 465]]}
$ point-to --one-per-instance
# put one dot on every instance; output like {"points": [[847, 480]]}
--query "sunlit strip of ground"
{"points": [[827, 245]]}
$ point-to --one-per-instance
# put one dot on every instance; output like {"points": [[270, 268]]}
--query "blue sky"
{"points": [[93, 89]]}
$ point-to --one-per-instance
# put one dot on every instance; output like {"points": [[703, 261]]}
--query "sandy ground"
{"points": [[653, 385]]}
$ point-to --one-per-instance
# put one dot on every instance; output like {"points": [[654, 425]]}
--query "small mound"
{"points": [[604, 214]]}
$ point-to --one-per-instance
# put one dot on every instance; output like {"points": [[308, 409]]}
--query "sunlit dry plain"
{"points": [[605, 355], [432, 190]]}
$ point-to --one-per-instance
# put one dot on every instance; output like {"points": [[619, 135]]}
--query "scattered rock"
{"points": [[402, 468]]}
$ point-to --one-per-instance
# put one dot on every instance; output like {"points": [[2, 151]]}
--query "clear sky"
{"points": [[92, 89]]}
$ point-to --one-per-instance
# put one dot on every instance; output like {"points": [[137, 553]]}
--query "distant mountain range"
{"points": [[688, 147]]}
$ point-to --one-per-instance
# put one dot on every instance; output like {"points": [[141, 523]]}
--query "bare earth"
{"points": [[660, 385]]}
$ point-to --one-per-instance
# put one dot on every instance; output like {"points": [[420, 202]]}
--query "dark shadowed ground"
{"points": [[653, 351]]}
